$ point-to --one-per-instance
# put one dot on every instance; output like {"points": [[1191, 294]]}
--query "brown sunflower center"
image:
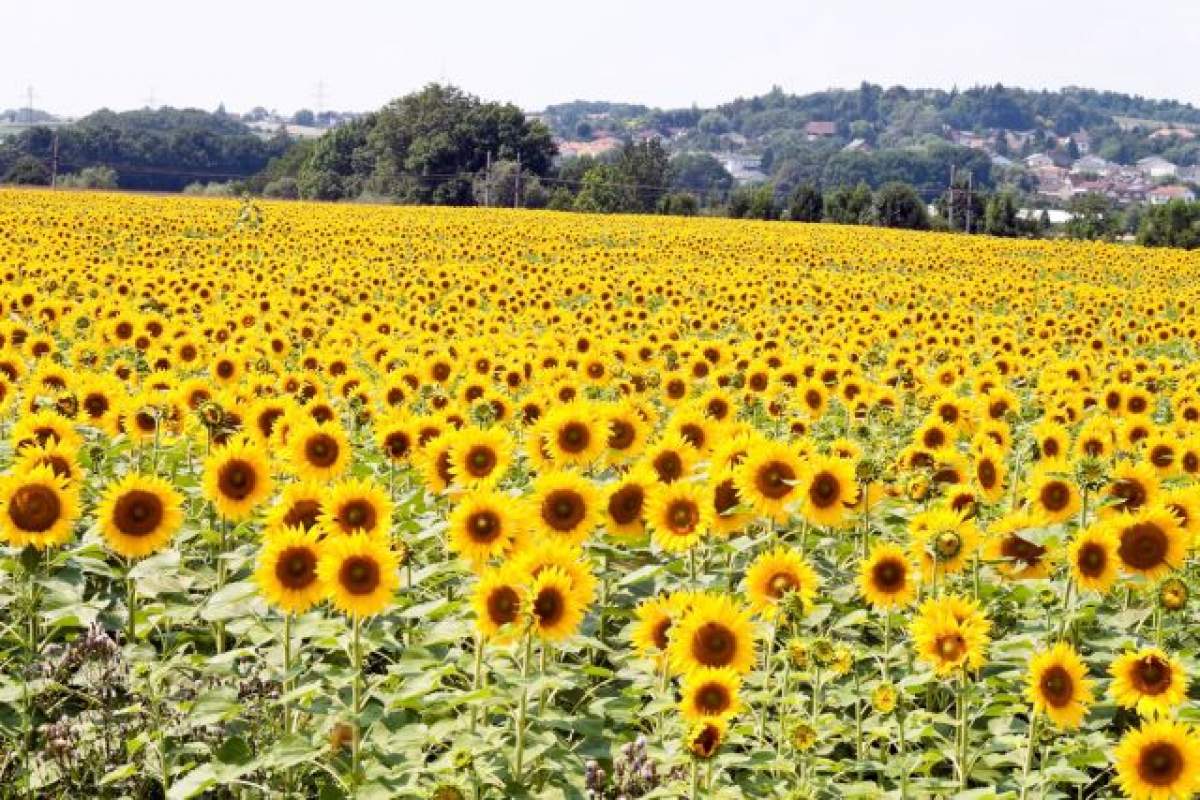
{"points": [[888, 575], [549, 606], [236, 479], [692, 434], [503, 604], [951, 647], [357, 513], [725, 496], [661, 629], [483, 526], [1151, 675], [138, 513], [34, 508], [683, 516], [824, 490], [321, 450], [775, 479], [574, 437], [713, 699], [1130, 495], [713, 645], [96, 405], [621, 434], [986, 473], [481, 460], [781, 583], [1057, 685], [563, 510], [1162, 455], [1160, 764], [1050, 448], [397, 444], [296, 568], [625, 504], [1023, 550], [302, 514], [1092, 560], [706, 742], [1143, 546], [669, 466], [359, 575], [1055, 496]]}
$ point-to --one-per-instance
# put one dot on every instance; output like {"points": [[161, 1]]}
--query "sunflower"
{"points": [[1052, 440], [433, 460], [989, 473], [1149, 681], [949, 633], [555, 608], [885, 577], [1159, 761], [828, 490], [1092, 556], [299, 506], [1058, 686], [704, 739], [777, 573], [396, 437], [37, 508], [359, 573], [671, 458], [1184, 503], [318, 451], [1133, 487], [728, 514], [574, 434], [479, 458], [564, 505], [1162, 454], [356, 506], [767, 479], [678, 515], [497, 603], [653, 619], [628, 431], [626, 507], [42, 427], [1017, 557], [237, 479], [55, 455], [710, 693], [286, 572], [485, 524], [942, 541], [1150, 543], [139, 515], [562, 555], [713, 632], [1051, 493]]}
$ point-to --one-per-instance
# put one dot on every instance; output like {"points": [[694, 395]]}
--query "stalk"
{"points": [[356, 699], [1029, 750], [523, 707]]}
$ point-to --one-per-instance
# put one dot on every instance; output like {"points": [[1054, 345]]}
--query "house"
{"points": [[1083, 141], [1055, 215], [595, 147], [1160, 195], [1183, 134], [744, 168], [1000, 161], [857, 146], [1156, 167], [1092, 165], [1018, 139], [1189, 174], [1038, 161], [818, 129]]}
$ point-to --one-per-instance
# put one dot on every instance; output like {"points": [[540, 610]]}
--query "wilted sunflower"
{"points": [[497, 603], [237, 479], [777, 573], [710, 693], [1149, 543], [286, 572], [885, 577], [359, 573], [678, 515], [1051, 493], [713, 632], [1148, 681], [564, 505], [318, 451], [357, 505], [37, 508], [1159, 761], [485, 525], [1058, 685], [554, 606], [828, 490], [139, 515], [479, 458], [767, 479]]}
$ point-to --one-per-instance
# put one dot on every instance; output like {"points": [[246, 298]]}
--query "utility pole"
{"points": [[54, 162], [487, 181], [970, 175], [951, 211], [29, 104], [517, 188]]}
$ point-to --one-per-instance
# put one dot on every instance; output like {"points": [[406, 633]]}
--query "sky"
{"points": [[357, 54]]}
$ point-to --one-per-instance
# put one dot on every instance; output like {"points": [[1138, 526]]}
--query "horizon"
{"points": [[670, 55]]}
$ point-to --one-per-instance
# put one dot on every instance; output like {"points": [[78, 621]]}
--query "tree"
{"points": [[1092, 217], [753, 202], [1173, 224], [604, 191], [304, 117], [897, 205], [806, 204], [681, 204], [644, 166], [29, 171], [1000, 215], [701, 175], [100, 177], [848, 205]]}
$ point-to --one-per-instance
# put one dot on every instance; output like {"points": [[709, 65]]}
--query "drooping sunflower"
{"points": [[237, 479], [951, 632], [554, 606], [299, 506], [1092, 556], [1058, 685], [768, 479], [139, 515], [484, 525], [286, 572], [678, 514], [828, 490], [710, 693], [497, 603], [704, 739], [1052, 493], [628, 431], [1133, 487], [357, 505], [775, 574], [1149, 543], [434, 462], [1159, 761], [37, 508], [713, 632], [359, 573], [885, 577], [1149, 681], [564, 505], [1017, 556], [318, 451], [480, 457]]}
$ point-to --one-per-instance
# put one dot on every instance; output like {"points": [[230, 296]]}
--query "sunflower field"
{"points": [[327, 501]]}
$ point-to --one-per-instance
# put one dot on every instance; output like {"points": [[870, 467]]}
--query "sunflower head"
{"points": [[139, 515], [286, 572], [37, 508], [360, 573]]}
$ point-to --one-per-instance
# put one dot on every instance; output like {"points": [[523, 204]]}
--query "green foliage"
{"points": [[806, 204], [681, 204], [850, 205], [1173, 224], [1000, 215], [28, 170], [99, 177], [1093, 217], [897, 205], [605, 191], [753, 202], [700, 174]]}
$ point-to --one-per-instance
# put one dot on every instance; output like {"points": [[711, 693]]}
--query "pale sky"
{"points": [[80, 55]]}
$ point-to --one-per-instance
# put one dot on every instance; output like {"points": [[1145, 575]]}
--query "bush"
{"points": [[98, 177], [29, 171], [283, 188], [213, 189]]}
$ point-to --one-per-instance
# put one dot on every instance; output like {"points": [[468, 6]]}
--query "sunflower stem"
{"points": [[522, 708], [130, 605], [692, 564], [1029, 751], [220, 624], [964, 737], [541, 706], [1067, 607], [287, 672], [477, 682], [356, 698], [695, 792]]}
